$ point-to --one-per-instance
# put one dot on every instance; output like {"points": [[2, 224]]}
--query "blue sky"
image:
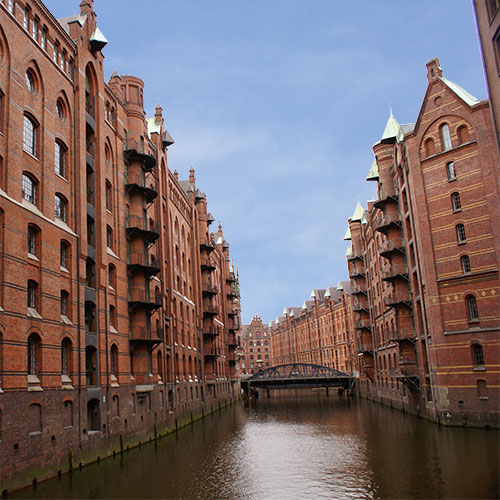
{"points": [[277, 104]]}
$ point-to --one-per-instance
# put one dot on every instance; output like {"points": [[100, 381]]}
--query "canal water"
{"points": [[303, 448]]}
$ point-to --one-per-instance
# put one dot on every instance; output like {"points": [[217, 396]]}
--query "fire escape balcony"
{"points": [[207, 244], [359, 288], [134, 151], [403, 334], [363, 324], [138, 261], [407, 372], [394, 272], [359, 304], [209, 290], [232, 341], [148, 335], [230, 278], [386, 196], [210, 310], [389, 247], [383, 223], [207, 264], [211, 351], [231, 357], [136, 184], [233, 311], [365, 348], [231, 292], [355, 256], [141, 297], [234, 324], [401, 298], [138, 226], [210, 332], [355, 271]]}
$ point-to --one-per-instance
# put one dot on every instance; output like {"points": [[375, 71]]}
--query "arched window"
{"points": [[33, 354], [430, 147], [66, 357], [30, 131], [64, 255], [472, 311], [112, 316], [30, 81], [33, 239], [159, 362], [113, 358], [463, 134], [461, 237], [60, 158], [61, 109], [455, 202], [61, 207], [109, 237], [93, 415], [465, 262], [32, 294], [64, 303], [90, 365], [90, 231], [477, 355], [109, 197], [26, 18], [29, 189], [111, 276], [90, 273], [445, 137]]}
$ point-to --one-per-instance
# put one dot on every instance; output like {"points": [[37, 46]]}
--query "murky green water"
{"points": [[297, 449]]}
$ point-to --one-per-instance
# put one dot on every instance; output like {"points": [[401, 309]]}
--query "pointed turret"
{"points": [[373, 173], [358, 213], [192, 178], [158, 113], [347, 234], [392, 129]]}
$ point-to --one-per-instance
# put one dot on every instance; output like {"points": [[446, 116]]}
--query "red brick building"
{"points": [[320, 332], [255, 347], [424, 262], [119, 308]]}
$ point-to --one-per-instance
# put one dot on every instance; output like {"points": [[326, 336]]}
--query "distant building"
{"points": [[319, 332], [424, 262], [255, 347], [119, 308]]}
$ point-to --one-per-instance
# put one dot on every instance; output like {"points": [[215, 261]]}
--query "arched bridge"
{"points": [[298, 375]]}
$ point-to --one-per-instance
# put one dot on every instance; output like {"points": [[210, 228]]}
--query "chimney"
{"points": [[434, 70]]}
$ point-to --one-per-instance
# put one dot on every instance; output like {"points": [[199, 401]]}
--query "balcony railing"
{"points": [[383, 222], [365, 347], [394, 271], [141, 225], [402, 334], [134, 150], [211, 351], [210, 310], [355, 271], [386, 196], [142, 295], [363, 324], [207, 244], [137, 183], [146, 334], [209, 289], [207, 264], [398, 298], [143, 261], [354, 256], [390, 246], [360, 305], [358, 288]]}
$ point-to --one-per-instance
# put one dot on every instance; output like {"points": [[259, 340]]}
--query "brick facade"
{"points": [[119, 307]]}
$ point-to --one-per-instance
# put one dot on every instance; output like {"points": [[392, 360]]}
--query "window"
{"points": [[64, 255], [60, 109], [61, 207], [477, 355], [455, 202], [90, 185], [32, 294], [30, 81], [43, 38], [464, 260], [461, 238], [29, 136], [89, 273], [11, 6], [445, 137], [108, 196], [450, 170], [114, 360], [55, 55], [430, 148], [482, 389], [90, 365], [109, 237], [112, 316], [29, 189], [26, 19], [472, 308], [33, 354], [65, 357], [90, 320], [111, 275], [60, 158], [90, 231], [463, 134], [64, 302], [35, 28], [32, 239]]}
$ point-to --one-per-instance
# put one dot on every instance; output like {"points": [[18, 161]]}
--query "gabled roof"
{"points": [[460, 92], [66, 21]]}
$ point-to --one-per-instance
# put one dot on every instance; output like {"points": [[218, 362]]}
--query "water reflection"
{"points": [[305, 448]]}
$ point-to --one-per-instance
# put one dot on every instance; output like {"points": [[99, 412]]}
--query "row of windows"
{"points": [[463, 137], [29, 193]]}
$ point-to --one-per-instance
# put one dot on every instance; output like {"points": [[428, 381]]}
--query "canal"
{"points": [[295, 449]]}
